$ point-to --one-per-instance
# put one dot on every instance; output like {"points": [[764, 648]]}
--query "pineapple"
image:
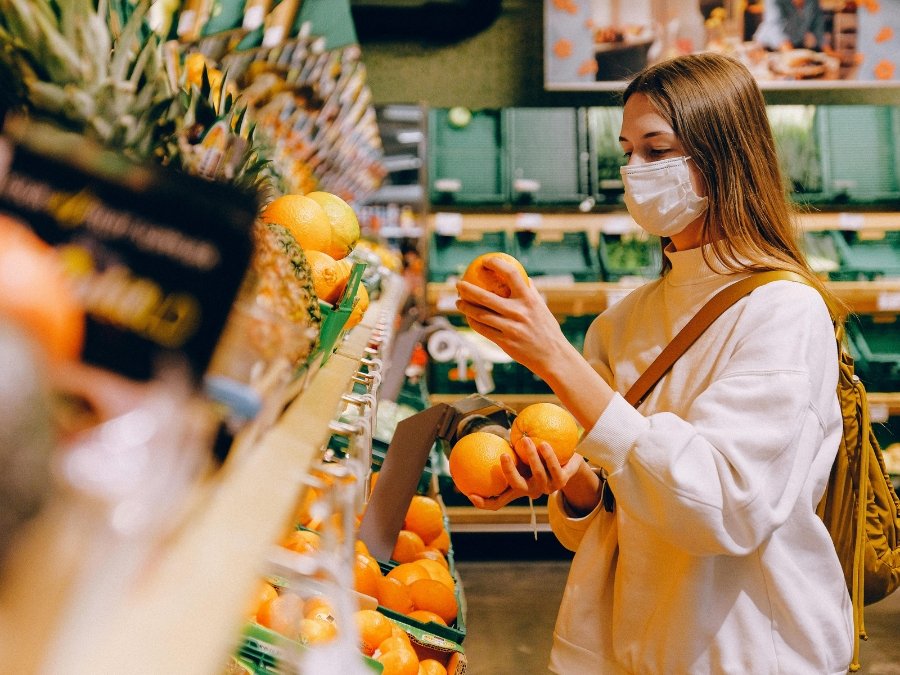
{"points": [[281, 281], [66, 63]]}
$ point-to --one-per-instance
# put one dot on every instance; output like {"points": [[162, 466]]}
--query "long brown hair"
{"points": [[718, 113]]}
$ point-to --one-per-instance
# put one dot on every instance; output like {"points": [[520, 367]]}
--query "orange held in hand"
{"points": [[546, 422], [475, 464], [476, 273]]}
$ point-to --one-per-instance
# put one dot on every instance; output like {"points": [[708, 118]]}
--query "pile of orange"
{"points": [[327, 229], [309, 621]]}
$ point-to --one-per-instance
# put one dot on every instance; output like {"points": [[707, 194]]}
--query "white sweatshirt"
{"points": [[714, 560]]}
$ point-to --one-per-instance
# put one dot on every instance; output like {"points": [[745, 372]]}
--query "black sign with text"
{"points": [[156, 256]]}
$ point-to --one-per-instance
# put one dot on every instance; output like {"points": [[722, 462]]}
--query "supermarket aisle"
{"points": [[512, 607]]}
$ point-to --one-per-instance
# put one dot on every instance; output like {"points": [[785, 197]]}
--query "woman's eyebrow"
{"points": [[649, 134]]}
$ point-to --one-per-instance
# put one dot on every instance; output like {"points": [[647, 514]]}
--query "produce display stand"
{"points": [[185, 614]]}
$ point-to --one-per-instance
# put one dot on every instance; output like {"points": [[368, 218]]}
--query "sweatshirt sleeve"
{"points": [[723, 477]]}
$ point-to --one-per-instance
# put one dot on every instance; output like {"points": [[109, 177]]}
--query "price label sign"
{"points": [[160, 255]]}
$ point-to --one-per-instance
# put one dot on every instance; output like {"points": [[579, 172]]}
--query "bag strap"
{"points": [[711, 311]]}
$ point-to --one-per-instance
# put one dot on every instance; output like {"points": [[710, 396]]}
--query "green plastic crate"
{"points": [[628, 255], [335, 318], [449, 256], [466, 163], [875, 346], [547, 151], [822, 254], [859, 148], [571, 255], [866, 258]]}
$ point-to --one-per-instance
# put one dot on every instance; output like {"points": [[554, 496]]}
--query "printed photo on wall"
{"points": [[787, 44]]}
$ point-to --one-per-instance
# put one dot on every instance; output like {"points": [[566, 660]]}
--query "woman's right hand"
{"points": [[540, 473]]}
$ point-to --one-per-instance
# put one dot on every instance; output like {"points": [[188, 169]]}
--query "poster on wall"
{"points": [[786, 44]]}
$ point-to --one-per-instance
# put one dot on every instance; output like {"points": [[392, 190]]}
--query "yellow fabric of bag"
{"points": [[860, 507]]}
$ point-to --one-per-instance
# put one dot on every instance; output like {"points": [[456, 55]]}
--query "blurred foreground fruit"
{"points": [[476, 273], [35, 293], [475, 464], [546, 422], [374, 628]]}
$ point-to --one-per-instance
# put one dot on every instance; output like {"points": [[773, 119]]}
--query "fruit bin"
{"points": [[875, 345], [568, 254], [454, 632], [262, 648], [628, 255], [449, 256], [334, 318]]}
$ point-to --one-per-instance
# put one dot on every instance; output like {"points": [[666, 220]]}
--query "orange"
{"points": [[438, 572], [425, 517], [317, 607], [431, 553], [359, 307], [263, 593], [359, 546], [434, 596], [343, 221], [441, 542], [400, 660], [395, 595], [329, 280], [431, 667], [546, 422], [475, 464], [425, 616], [406, 573], [398, 632], [374, 628], [366, 574], [282, 614], [302, 541], [476, 273], [35, 293], [304, 218], [408, 545], [317, 631]]}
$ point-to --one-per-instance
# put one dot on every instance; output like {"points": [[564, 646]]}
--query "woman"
{"points": [[713, 560]]}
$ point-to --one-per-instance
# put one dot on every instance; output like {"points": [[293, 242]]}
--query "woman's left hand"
{"points": [[521, 325], [540, 474]]}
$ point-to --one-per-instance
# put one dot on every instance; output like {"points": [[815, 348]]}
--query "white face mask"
{"points": [[660, 196]]}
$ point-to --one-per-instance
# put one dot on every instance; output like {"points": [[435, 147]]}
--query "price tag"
{"points": [[888, 301], [446, 302], [448, 224], [448, 185], [851, 221], [618, 225], [879, 412], [529, 221]]}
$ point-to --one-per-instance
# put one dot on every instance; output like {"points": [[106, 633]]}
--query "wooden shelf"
{"points": [[575, 299], [507, 519], [473, 224]]}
